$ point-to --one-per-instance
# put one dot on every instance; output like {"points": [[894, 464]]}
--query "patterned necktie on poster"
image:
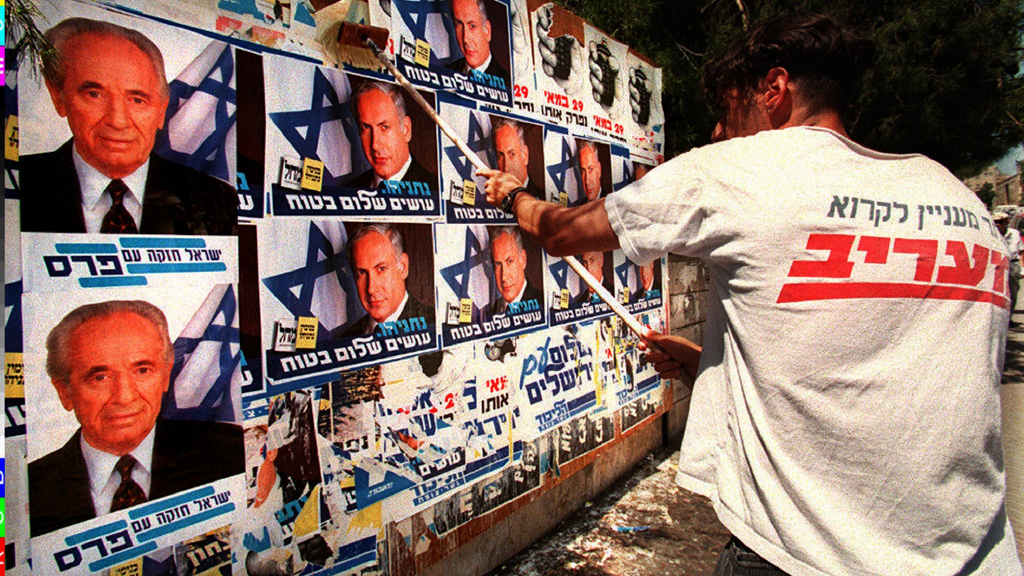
{"points": [[128, 493], [118, 220]]}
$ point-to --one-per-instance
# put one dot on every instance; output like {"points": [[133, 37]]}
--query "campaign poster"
{"points": [[346, 145], [503, 142], [130, 379], [639, 287], [607, 101], [583, 175], [162, 161], [561, 65], [490, 282], [294, 524], [461, 46], [636, 388], [583, 435], [645, 123], [556, 380], [338, 295], [523, 83]]}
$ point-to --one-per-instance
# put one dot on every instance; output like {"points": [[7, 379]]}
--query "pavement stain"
{"points": [[665, 530]]}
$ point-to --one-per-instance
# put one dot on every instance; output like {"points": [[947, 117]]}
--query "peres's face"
{"points": [[509, 266], [594, 263], [113, 101], [647, 276], [384, 134], [380, 275], [119, 373], [590, 168], [513, 154], [472, 31]]}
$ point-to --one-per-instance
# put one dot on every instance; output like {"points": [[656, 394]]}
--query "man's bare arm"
{"points": [[561, 231]]}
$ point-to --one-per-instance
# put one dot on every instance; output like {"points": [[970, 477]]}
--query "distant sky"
{"points": [[1008, 163]]}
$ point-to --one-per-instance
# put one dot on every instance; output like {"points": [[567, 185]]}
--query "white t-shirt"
{"points": [[845, 419]]}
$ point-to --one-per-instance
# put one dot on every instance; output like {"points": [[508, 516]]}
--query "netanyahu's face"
{"points": [[647, 276], [380, 275], [472, 32], [594, 263], [119, 371], [113, 100], [509, 266], [512, 153], [383, 133], [590, 169]]}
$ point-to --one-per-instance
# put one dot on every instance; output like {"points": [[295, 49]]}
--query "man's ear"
{"points": [[778, 95], [64, 393], [403, 264], [407, 128], [58, 99]]}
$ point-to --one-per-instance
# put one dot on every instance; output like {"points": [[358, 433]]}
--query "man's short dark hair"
{"points": [[59, 338], [65, 30], [393, 91], [384, 229], [512, 231], [822, 56]]}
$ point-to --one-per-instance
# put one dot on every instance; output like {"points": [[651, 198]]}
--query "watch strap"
{"points": [[509, 201]]}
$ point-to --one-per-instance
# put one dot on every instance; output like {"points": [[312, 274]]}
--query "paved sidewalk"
{"points": [[645, 525]]}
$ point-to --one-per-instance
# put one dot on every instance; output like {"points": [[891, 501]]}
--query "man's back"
{"points": [[846, 417]]}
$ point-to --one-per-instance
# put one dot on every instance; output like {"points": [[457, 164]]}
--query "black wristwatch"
{"points": [[510, 200]]}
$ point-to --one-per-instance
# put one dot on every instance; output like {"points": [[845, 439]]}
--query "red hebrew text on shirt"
{"points": [[858, 267]]}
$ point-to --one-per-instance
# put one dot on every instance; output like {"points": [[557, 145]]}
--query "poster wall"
{"points": [[198, 180]]}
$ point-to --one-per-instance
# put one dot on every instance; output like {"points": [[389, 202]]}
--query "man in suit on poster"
{"points": [[509, 259], [110, 363], [385, 130], [381, 266], [512, 153], [473, 34], [594, 263], [109, 82]]}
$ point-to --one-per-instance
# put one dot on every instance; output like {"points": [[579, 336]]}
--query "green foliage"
{"points": [[987, 193], [947, 82]]}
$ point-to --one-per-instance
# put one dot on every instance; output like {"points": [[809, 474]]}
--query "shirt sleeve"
{"points": [[658, 214]]}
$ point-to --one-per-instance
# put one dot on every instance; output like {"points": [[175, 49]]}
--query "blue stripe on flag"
{"points": [[177, 267], [164, 242], [109, 281], [74, 248]]}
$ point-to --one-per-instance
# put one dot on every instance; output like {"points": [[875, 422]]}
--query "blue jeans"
{"points": [[738, 560]]}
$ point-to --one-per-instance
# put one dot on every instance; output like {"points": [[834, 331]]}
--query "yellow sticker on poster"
{"points": [[465, 311], [312, 175], [422, 53], [305, 333]]}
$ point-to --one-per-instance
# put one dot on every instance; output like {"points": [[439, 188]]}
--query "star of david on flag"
{"points": [[473, 276], [199, 130], [431, 21], [311, 115], [477, 128], [206, 378], [322, 284]]}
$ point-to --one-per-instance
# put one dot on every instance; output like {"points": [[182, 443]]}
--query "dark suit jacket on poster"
{"points": [[530, 293], [415, 173], [585, 296], [413, 309], [494, 69], [177, 200], [186, 454], [534, 190]]}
